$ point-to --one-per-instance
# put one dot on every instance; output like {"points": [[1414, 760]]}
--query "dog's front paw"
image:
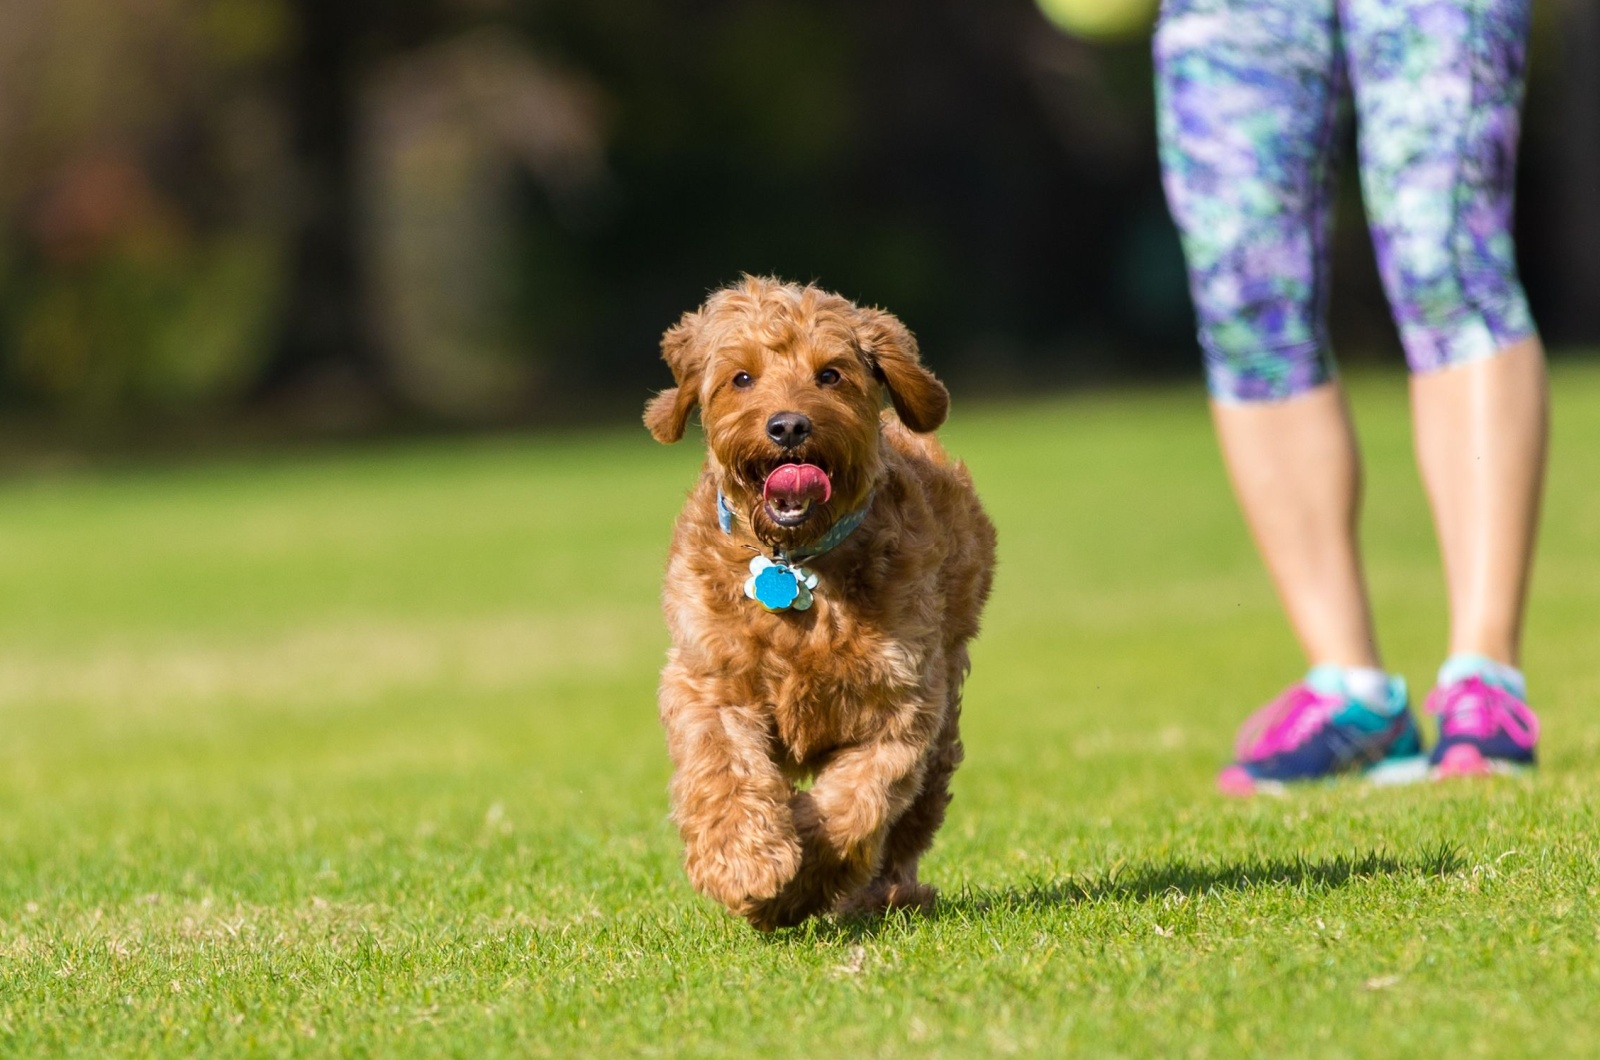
{"points": [[825, 873], [740, 867], [849, 835]]}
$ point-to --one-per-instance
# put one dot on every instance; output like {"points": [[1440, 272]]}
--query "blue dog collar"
{"points": [[780, 583]]}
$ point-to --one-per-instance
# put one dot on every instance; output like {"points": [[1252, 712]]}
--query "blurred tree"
{"points": [[959, 160], [1567, 161], [478, 210], [448, 130], [141, 261], [324, 324]]}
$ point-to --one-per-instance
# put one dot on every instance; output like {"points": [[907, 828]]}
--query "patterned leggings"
{"points": [[1250, 94]]}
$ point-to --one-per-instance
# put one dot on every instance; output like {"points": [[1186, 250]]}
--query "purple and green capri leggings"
{"points": [[1250, 96]]}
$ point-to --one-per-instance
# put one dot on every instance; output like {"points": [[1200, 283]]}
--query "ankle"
{"points": [[1463, 665], [1370, 686]]}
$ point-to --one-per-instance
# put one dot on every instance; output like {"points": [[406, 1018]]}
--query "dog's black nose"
{"points": [[788, 429]]}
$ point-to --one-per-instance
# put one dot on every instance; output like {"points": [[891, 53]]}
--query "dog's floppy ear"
{"points": [[920, 400], [667, 414]]}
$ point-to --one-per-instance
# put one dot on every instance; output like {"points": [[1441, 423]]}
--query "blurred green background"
{"points": [[285, 218]]}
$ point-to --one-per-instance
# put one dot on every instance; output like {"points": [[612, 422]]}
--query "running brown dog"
{"points": [[825, 577]]}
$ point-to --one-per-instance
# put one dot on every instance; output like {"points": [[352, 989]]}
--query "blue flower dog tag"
{"points": [[777, 586]]}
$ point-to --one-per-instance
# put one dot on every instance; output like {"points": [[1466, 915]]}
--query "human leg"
{"points": [[1481, 431], [1438, 88], [1248, 99], [1297, 474], [1438, 94], [1249, 95]]}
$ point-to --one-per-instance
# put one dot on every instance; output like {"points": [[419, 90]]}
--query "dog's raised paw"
{"points": [[744, 869]]}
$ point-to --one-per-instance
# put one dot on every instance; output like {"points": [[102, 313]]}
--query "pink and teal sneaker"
{"points": [[1485, 724], [1316, 729]]}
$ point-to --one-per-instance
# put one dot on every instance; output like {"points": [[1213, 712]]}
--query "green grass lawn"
{"points": [[357, 755]]}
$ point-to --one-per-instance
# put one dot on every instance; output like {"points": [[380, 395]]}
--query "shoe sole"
{"points": [[1235, 781], [1465, 760], [1391, 772], [1462, 760]]}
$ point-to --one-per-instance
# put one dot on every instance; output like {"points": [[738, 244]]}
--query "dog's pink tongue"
{"points": [[798, 482]]}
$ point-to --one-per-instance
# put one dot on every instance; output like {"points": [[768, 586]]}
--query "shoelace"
{"points": [[1474, 708], [1285, 723]]}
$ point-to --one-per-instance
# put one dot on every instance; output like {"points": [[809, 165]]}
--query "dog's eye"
{"points": [[828, 377], [743, 380]]}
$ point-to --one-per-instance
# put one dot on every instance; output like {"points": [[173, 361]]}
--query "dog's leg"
{"points": [[729, 799], [823, 875], [845, 818], [896, 885]]}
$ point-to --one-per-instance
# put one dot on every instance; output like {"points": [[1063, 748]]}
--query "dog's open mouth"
{"points": [[793, 490]]}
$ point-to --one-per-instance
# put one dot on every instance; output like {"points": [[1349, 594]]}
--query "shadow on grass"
{"points": [[1140, 882]]}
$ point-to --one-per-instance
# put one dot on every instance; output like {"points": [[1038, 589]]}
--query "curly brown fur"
{"points": [[862, 692]]}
